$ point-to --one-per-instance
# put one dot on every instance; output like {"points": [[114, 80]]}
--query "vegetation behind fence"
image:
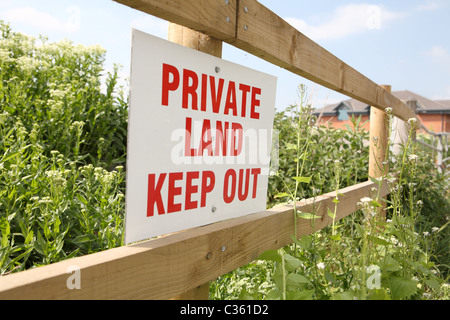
{"points": [[171, 265]]}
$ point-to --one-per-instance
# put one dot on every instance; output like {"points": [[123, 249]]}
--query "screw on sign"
{"points": [[210, 85], [200, 135]]}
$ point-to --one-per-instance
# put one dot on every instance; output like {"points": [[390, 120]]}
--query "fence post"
{"points": [[440, 157], [378, 153], [400, 130], [412, 104], [194, 40], [201, 42], [378, 141]]}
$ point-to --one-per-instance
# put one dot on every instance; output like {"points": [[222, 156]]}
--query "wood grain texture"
{"points": [[169, 266], [194, 40], [204, 43], [211, 17], [266, 35], [250, 26], [378, 139]]}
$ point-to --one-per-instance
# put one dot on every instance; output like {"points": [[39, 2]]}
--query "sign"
{"points": [[199, 139]]}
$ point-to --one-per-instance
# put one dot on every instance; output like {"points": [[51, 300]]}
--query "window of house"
{"points": [[343, 112]]}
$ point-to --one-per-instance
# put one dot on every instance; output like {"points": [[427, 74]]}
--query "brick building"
{"points": [[434, 114]]}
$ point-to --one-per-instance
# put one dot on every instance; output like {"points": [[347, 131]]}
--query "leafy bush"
{"points": [[358, 257], [318, 149], [61, 137], [62, 158]]}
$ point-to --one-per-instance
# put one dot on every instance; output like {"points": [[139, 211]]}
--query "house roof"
{"points": [[444, 102], [353, 106]]}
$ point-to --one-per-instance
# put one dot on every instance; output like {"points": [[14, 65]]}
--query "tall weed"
{"points": [[361, 256], [62, 152], [62, 157]]}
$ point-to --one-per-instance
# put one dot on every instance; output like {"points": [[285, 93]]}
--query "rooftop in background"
{"points": [[434, 114], [352, 106]]}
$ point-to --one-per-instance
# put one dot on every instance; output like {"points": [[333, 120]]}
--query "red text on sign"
{"points": [[156, 183], [241, 183], [224, 95], [228, 139]]}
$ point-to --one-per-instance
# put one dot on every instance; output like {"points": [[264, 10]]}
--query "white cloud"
{"points": [[430, 5], [346, 21], [439, 55], [438, 52], [43, 20]]}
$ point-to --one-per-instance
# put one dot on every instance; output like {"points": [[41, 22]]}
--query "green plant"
{"points": [[325, 146], [299, 150], [62, 157], [62, 152], [358, 257]]}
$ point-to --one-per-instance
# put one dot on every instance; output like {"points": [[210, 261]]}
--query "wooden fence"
{"points": [[179, 265], [439, 144]]}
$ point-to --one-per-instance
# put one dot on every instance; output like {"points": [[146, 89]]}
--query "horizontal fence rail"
{"points": [[250, 26], [175, 264], [168, 266], [441, 148]]}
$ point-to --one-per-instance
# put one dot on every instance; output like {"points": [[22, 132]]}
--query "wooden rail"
{"points": [[250, 26], [172, 265], [441, 148]]}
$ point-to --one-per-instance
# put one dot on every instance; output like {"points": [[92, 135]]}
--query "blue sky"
{"points": [[404, 43]]}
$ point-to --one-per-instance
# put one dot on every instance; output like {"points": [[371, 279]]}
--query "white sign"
{"points": [[199, 139]]}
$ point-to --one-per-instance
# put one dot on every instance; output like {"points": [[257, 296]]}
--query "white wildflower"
{"points": [[365, 200], [58, 94], [321, 265], [434, 229], [412, 121], [392, 180], [77, 126], [413, 157], [45, 200]]}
